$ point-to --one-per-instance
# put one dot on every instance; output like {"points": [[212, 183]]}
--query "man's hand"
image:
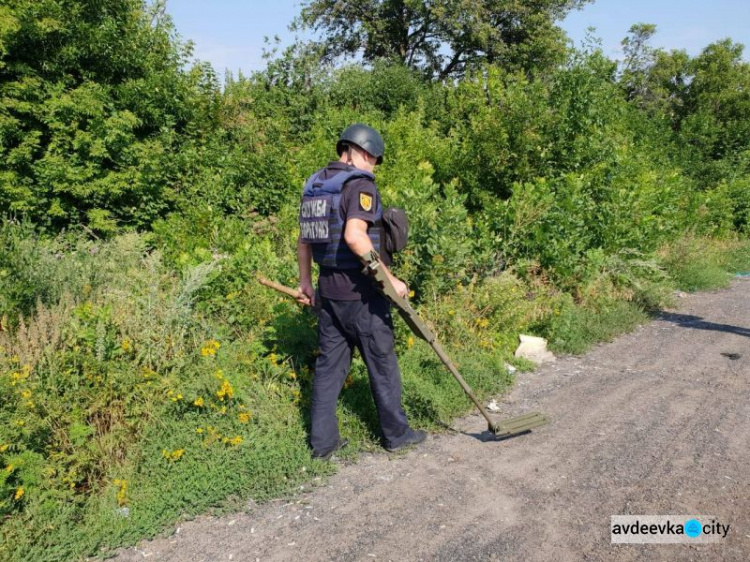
{"points": [[307, 294], [401, 289], [359, 242], [304, 259]]}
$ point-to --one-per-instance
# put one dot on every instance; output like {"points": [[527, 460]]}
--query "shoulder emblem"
{"points": [[365, 201]]}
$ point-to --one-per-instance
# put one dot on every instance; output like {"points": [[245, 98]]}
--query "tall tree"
{"points": [[655, 80], [716, 112], [443, 37]]}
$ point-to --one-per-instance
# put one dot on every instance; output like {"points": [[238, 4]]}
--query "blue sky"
{"points": [[230, 33]]}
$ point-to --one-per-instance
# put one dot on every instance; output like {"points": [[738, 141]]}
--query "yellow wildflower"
{"points": [[19, 494], [244, 417], [199, 430], [410, 342], [226, 390], [20, 376], [451, 312], [411, 294], [292, 375], [126, 346], [26, 394], [210, 348], [122, 492], [9, 468], [234, 441], [273, 358], [198, 401], [4, 447], [173, 456]]}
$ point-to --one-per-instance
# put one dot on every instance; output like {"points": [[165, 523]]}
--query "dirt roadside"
{"points": [[657, 422]]}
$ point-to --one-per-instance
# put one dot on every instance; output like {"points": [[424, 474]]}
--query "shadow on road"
{"points": [[696, 322]]}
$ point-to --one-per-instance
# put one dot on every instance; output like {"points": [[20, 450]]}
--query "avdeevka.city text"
{"points": [[668, 528]]}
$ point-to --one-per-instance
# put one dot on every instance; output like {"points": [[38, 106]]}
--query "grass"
{"points": [[580, 327], [700, 264]]}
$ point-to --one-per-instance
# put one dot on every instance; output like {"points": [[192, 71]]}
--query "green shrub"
{"points": [[123, 395]]}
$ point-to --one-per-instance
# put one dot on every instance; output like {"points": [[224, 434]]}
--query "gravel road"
{"points": [[657, 422]]}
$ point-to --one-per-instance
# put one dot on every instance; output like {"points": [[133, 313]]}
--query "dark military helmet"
{"points": [[364, 137]]}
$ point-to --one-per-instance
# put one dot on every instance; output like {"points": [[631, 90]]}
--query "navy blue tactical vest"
{"points": [[321, 224]]}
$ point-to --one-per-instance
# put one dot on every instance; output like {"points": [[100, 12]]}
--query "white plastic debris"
{"points": [[534, 349], [492, 406]]}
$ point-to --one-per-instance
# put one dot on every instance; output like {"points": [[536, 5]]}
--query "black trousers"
{"points": [[368, 325]]}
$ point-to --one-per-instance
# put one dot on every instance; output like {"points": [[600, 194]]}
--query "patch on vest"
{"points": [[365, 201], [314, 215]]}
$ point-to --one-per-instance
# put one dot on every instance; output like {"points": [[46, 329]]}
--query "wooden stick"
{"points": [[280, 288]]}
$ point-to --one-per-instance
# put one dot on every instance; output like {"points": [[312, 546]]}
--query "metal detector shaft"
{"points": [[509, 427], [423, 331], [452, 368]]}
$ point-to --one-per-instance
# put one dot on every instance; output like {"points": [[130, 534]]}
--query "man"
{"points": [[340, 222]]}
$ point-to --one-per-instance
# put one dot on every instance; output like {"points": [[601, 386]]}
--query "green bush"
{"points": [[124, 395], [89, 135]]}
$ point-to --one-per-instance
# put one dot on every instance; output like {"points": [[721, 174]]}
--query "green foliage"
{"points": [[386, 88], [87, 134], [717, 102], [125, 395], [705, 100], [500, 123], [443, 38]]}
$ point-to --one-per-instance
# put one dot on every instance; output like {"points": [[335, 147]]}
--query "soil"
{"points": [[656, 422]]}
